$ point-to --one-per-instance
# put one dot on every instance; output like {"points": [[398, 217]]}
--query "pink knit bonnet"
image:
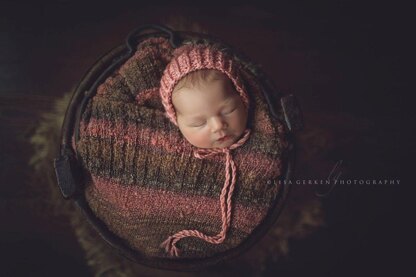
{"points": [[190, 58]]}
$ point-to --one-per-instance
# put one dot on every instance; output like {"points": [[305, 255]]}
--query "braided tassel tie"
{"points": [[225, 199]]}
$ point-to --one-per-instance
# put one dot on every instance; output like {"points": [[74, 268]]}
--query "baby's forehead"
{"points": [[218, 89], [202, 77], [213, 94]]}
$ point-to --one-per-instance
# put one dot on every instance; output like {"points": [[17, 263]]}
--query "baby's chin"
{"points": [[226, 143], [216, 144]]}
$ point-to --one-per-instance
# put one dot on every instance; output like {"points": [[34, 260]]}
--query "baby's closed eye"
{"points": [[197, 124], [229, 110]]}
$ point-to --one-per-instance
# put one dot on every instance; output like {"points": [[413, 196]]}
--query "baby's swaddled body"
{"points": [[200, 179]]}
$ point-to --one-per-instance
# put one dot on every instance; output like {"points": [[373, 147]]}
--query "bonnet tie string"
{"points": [[225, 198]]}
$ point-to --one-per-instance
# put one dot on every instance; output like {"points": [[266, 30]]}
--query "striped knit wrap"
{"points": [[143, 180]]}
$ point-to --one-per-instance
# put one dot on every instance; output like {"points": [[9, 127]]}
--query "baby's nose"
{"points": [[217, 124]]}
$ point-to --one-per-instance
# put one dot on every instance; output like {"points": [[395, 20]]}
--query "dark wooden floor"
{"points": [[343, 61]]}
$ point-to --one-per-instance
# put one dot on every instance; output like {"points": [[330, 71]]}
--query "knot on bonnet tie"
{"points": [[225, 198]]}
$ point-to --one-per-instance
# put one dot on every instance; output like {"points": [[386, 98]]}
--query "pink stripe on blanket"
{"points": [[263, 123], [146, 95], [171, 142], [136, 201]]}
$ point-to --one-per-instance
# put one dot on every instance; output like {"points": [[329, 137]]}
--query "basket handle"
{"points": [[173, 38]]}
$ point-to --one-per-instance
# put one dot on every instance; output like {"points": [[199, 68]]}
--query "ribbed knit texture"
{"points": [[143, 179]]}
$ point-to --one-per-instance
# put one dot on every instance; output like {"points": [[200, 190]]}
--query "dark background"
{"points": [[345, 61]]}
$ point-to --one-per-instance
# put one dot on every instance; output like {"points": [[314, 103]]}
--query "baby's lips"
{"points": [[224, 138]]}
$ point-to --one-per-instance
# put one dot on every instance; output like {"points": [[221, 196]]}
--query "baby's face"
{"points": [[210, 114]]}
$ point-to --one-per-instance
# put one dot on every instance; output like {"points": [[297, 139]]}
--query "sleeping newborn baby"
{"points": [[210, 113], [203, 95]]}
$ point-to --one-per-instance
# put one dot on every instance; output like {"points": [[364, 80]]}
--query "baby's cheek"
{"points": [[240, 122], [202, 139], [243, 119], [197, 138]]}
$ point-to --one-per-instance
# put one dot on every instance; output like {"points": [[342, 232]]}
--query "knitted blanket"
{"points": [[142, 179]]}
